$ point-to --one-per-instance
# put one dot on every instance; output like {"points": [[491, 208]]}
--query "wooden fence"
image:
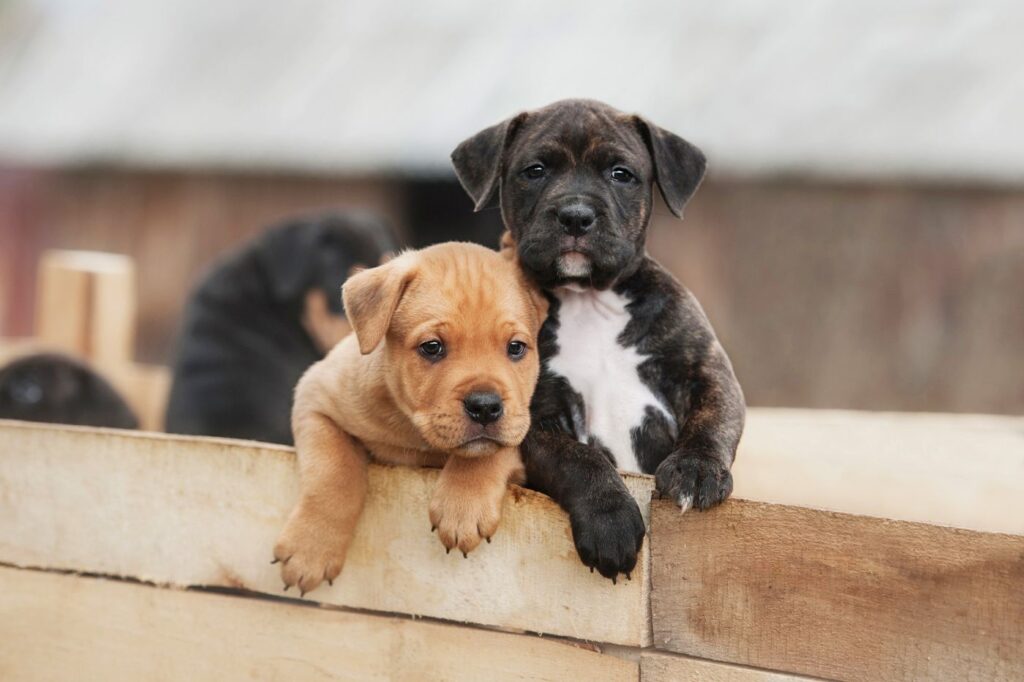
{"points": [[858, 546]]}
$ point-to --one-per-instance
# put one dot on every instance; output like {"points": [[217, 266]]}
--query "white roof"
{"points": [[871, 89]]}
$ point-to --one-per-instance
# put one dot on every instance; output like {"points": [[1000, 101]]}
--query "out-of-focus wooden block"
{"points": [[86, 305]]}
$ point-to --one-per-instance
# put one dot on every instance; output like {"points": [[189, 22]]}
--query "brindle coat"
{"points": [[577, 177]]}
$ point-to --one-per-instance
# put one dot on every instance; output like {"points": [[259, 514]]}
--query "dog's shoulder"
{"points": [[662, 309]]}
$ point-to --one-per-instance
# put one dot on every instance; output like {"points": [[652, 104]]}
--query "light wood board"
{"points": [[835, 595], [659, 667], [965, 471], [64, 627], [202, 511]]}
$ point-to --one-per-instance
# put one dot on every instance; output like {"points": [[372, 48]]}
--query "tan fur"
{"points": [[375, 395]]}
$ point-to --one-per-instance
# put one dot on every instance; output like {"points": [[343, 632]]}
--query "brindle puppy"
{"points": [[633, 376]]}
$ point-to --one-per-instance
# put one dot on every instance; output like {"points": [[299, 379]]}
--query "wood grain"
{"points": [[203, 511], [835, 595], [64, 627], [659, 667], [956, 470]]}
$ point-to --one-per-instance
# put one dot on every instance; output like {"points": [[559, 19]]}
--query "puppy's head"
{"points": [[316, 254], [57, 389], [457, 326], [576, 185]]}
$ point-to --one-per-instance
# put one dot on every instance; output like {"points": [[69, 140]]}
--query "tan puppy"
{"points": [[439, 372]]}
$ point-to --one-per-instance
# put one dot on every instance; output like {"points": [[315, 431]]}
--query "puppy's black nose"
{"points": [[576, 219], [483, 407]]}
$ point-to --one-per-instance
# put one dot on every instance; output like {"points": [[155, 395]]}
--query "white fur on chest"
{"points": [[601, 370]]}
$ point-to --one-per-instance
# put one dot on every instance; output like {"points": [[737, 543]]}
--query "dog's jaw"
{"points": [[573, 265]]}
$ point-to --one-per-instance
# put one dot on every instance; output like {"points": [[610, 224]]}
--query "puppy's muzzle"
{"points": [[483, 407]]}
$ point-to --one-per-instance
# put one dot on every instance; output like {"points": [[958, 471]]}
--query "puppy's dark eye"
{"points": [[516, 349], [620, 174], [432, 350], [534, 171]]}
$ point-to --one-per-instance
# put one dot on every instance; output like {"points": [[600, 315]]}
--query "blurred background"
{"points": [[859, 242]]}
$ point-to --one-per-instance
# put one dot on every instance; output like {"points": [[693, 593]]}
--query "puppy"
{"points": [[57, 389], [439, 372], [633, 376], [260, 319]]}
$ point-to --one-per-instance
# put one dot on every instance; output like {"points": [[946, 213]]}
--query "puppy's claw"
{"points": [[465, 555], [488, 540], [302, 593], [447, 550], [629, 576], [330, 582], [275, 561], [433, 528], [286, 586], [591, 569], [615, 580]]}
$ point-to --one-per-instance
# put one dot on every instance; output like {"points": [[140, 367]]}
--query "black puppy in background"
{"points": [[57, 389], [633, 376], [260, 318]]}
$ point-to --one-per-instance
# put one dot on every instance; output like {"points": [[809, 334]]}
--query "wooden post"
{"points": [[86, 305]]}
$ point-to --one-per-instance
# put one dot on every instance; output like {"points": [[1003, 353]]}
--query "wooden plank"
{"points": [[965, 471], [202, 511], [62, 306], [659, 667], [112, 327], [65, 627], [835, 595]]}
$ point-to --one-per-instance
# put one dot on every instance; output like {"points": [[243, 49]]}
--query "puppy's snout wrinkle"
{"points": [[483, 407], [576, 218]]}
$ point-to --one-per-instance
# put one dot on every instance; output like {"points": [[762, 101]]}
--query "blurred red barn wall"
{"points": [[902, 297]]}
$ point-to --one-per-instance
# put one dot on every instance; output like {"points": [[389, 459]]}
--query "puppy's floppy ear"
{"points": [[678, 165], [371, 297], [479, 160]]}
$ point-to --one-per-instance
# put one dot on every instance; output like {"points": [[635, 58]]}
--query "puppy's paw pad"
{"points": [[463, 522], [608, 531], [693, 481], [311, 550]]}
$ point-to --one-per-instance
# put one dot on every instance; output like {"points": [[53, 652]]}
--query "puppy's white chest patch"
{"points": [[601, 370]]}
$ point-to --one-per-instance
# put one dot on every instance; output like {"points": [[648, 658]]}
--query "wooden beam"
{"points": [[65, 627], [660, 667], [965, 471], [835, 595], [203, 511], [86, 305]]}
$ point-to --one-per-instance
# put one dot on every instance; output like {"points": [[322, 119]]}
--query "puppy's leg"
{"points": [[607, 527], [696, 473], [333, 472], [466, 506]]}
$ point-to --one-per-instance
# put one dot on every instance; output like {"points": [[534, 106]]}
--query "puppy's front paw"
{"points": [[608, 530], [462, 518], [695, 481], [311, 548]]}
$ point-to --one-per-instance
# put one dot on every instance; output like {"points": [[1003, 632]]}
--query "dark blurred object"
{"points": [[57, 389], [250, 329], [440, 211]]}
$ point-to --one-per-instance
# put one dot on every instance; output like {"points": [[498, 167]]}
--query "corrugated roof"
{"points": [[919, 89]]}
